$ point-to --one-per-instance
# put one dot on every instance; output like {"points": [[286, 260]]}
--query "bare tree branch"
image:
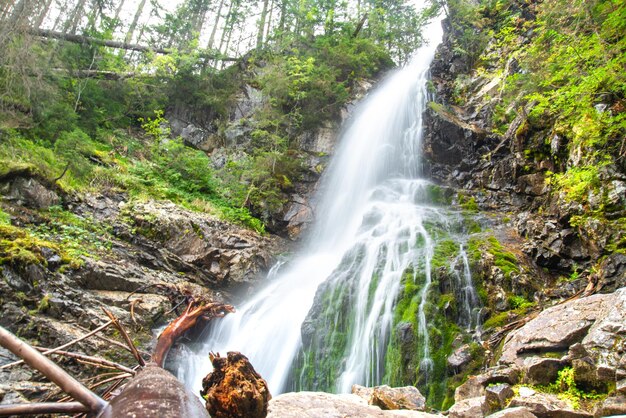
{"points": [[51, 370], [43, 408]]}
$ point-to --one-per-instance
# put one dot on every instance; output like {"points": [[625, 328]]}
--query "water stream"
{"points": [[374, 227]]}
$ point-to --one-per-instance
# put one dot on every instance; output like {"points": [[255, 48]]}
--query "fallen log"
{"points": [[83, 39]]}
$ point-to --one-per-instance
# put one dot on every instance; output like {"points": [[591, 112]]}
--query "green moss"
{"points": [[5, 218]]}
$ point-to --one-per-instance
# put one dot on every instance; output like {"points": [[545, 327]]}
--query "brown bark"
{"points": [[190, 318]]}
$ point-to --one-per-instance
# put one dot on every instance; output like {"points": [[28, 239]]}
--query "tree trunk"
{"points": [[269, 21], [215, 24], [228, 25], [259, 38], [42, 15], [76, 17], [133, 25]]}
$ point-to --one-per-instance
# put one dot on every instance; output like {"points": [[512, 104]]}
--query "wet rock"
{"points": [[326, 405], [234, 389], [469, 408], [299, 216], [460, 358], [545, 405], [518, 412], [497, 396], [407, 397], [612, 274]]}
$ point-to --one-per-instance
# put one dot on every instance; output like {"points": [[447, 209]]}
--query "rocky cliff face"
{"points": [[564, 245], [65, 257]]}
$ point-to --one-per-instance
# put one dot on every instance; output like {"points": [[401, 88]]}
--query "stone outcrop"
{"points": [[325, 405], [589, 333], [234, 389]]}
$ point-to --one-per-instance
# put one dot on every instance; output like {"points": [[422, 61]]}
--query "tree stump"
{"points": [[234, 389]]}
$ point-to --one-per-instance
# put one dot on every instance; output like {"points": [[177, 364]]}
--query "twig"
{"points": [[132, 309], [43, 408], [61, 347], [120, 376], [63, 173], [126, 337], [115, 343], [51, 370], [97, 361]]}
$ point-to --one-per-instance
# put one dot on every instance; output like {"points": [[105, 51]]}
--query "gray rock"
{"points": [[31, 193], [541, 371], [518, 412], [497, 396], [460, 358], [475, 386], [555, 329], [469, 408], [326, 405], [545, 405]]}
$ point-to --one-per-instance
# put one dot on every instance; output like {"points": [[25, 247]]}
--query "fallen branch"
{"points": [[185, 322], [82, 39], [129, 342], [97, 361], [43, 408], [113, 342], [61, 347], [52, 371]]}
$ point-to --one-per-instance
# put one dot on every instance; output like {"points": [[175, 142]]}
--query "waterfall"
{"points": [[377, 232]]}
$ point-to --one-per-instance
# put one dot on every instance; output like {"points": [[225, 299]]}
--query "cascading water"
{"points": [[376, 232]]}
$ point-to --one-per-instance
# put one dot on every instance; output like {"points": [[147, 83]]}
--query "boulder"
{"points": [[234, 389], [556, 328], [460, 358], [614, 405], [388, 398], [475, 386], [469, 408], [541, 371], [326, 405], [545, 405], [31, 193], [497, 396], [518, 412]]}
